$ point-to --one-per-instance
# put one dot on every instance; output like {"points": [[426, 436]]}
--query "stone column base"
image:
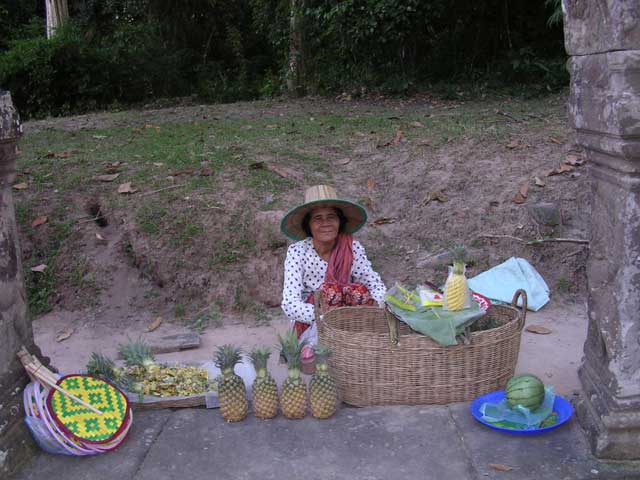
{"points": [[612, 425]]}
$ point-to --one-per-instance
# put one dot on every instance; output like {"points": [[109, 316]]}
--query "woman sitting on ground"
{"points": [[325, 257]]}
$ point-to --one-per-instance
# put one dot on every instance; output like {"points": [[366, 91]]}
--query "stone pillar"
{"points": [[15, 327], [602, 38]]}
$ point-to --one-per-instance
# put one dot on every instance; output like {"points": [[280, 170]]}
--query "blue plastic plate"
{"points": [[561, 407]]}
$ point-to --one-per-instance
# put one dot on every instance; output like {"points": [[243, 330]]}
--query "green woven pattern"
{"points": [[79, 420]]}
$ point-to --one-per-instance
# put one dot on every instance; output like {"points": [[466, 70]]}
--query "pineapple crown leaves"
{"points": [[259, 357], [227, 356], [459, 256], [322, 354], [101, 366], [136, 352], [291, 348]]}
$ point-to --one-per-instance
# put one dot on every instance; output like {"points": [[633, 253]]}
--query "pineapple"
{"points": [[293, 398], [101, 366], [137, 357], [456, 290], [323, 393], [264, 390], [231, 390]]}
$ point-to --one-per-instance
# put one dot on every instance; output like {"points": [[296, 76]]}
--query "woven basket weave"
{"points": [[378, 360]]}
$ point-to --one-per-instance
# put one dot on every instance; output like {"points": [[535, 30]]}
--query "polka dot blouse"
{"points": [[304, 272]]}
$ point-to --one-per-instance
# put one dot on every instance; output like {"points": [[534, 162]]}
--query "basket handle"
{"points": [[394, 328], [514, 303]]}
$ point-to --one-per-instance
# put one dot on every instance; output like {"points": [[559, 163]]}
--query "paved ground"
{"points": [[386, 443]]}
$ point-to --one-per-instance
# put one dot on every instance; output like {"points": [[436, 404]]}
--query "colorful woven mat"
{"points": [[80, 422]]}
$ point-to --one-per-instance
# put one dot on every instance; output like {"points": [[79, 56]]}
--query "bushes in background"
{"points": [[118, 52]]}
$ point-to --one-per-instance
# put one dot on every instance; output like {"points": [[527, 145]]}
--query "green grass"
{"points": [[42, 286], [563, 285], [181, 213]]}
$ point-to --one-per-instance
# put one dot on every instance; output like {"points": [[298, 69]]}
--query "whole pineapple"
{"points": [[323, 393], [102, 366], [231, 390], [456, 290], [293, 397], [264, 390], [137, 357]]}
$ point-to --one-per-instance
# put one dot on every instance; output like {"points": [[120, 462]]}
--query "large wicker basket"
{"points": [[378, 360]]}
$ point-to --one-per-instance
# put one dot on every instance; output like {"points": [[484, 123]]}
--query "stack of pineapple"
{"points": [[322, 398], [141, 374]]}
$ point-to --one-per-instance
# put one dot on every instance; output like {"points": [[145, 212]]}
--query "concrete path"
{"points": [[385, 443]]}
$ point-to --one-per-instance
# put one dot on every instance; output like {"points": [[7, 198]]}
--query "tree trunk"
{"points": [[57, 15], [295, 75]]}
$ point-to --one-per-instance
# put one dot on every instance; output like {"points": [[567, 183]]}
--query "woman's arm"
{"points": [[293, 305], [363, 273]]}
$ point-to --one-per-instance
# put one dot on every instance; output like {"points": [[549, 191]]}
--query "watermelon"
{"points": [[526, 390]]}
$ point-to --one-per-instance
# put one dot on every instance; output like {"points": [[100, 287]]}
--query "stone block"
{"points": [[597, 26], [605, 99]]}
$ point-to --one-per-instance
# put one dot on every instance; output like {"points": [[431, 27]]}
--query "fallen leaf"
{"points": [[368, 202], [63, 335], [206, 172], [539, 329], [500, 467], [136, 130], [39, 268], [560, 170], [384, 221], [237, 156], [158, 164], [271, 127], [556, 140], [113, 167], [513, 144], [58, 154], [519, 199], [280, 171], [39, 221], [21, 186], [157, 129], [99, 137], [435, 196], [343, 161], [524, 190], [27, 171], [156, 323], [417, 125], [398, 138], [106, 178], [574, 160], [370, 184], [539, 182], [148, 126], [100, 239], [126, 188]]}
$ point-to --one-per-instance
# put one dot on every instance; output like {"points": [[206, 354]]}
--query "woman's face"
{"points": [[324, 224]]}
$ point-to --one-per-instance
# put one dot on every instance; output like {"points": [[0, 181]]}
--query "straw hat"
{"points": [[322, 196]]}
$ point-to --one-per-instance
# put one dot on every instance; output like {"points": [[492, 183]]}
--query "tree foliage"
{"points": [[124, 51]]}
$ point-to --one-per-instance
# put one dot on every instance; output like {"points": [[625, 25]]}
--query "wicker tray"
{"points": [[378, 360]]}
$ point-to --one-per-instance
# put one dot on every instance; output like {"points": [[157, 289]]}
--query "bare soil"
{"points": [[483, 156]]}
